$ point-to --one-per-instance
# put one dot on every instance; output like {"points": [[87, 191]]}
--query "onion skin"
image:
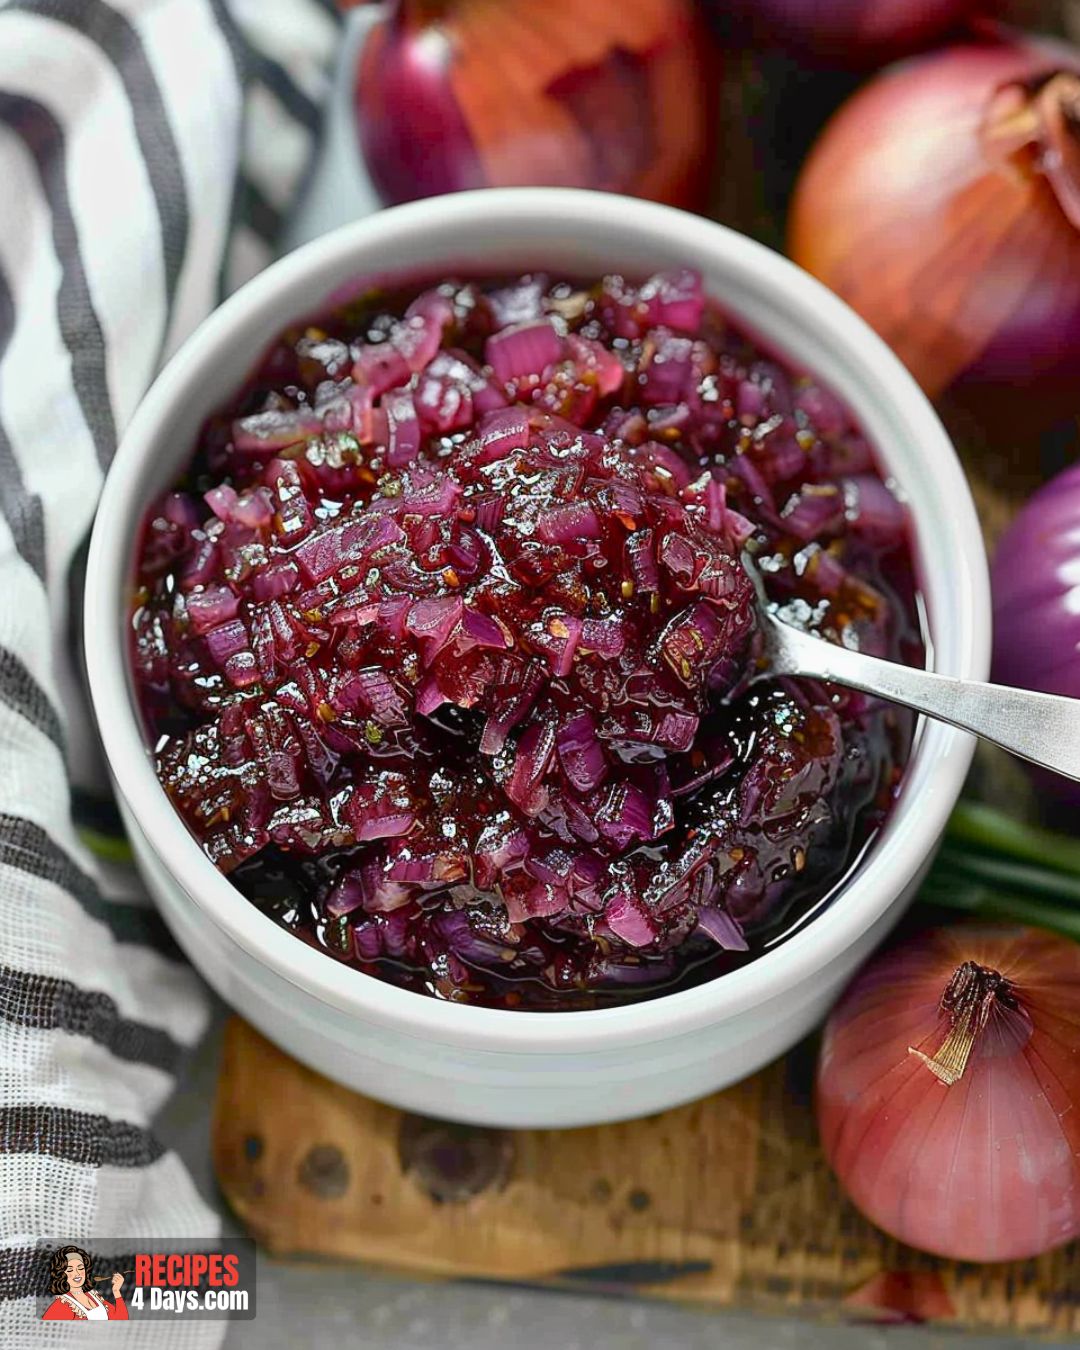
{"points": [[433, 145], [849, 32], [1035, 573], [961, 256], [987, 1169], [458, 94], [1034, 578]]}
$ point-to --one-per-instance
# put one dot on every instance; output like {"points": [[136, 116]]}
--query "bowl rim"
{"points": [[934, 774]]}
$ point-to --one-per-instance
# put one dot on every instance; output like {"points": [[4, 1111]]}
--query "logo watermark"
{"points": [[121, 1279]]}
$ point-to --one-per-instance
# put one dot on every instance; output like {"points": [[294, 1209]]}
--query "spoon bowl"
{"points": [[1041, 728]]}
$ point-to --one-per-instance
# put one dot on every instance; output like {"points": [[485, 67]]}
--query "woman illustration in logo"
{"points": [[72, 1279]]}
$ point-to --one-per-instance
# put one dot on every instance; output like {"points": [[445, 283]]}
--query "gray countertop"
{"points": [[324, 1306]]}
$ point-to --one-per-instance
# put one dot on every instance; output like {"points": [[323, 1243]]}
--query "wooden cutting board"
{"points": [[726, 1202]]}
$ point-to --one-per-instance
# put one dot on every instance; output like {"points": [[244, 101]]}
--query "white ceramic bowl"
{"points": [[518, 1068]]}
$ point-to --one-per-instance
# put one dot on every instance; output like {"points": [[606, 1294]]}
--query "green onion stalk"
{"points": [[995, 866]]}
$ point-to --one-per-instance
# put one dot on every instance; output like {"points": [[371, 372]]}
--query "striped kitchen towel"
{"points": [[148, 152]]}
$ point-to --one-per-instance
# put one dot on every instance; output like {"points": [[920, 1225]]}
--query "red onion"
{"points": [[487, 704], [524, 349], [1035, 573], [211, 606], [1034, 577], [943, 203], [949, 1088], [455, 94], [850, 32], [382, 809], [627, 918]]}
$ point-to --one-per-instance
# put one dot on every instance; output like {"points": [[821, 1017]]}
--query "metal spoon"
{"points": [[1042, 728]]}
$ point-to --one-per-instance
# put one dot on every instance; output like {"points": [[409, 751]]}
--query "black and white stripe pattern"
{"points": [[149, 150]]}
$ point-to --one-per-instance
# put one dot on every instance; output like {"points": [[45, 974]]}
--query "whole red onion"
{"points": [[456, 94], [1035, 577], [848, 32], [943, 203], [948, 1092]]}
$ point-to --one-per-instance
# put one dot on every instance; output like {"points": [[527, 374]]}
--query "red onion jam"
{"points": [[444, 645]]}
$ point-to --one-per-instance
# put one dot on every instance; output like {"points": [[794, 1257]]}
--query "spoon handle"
{"points": [[1042, 728]]}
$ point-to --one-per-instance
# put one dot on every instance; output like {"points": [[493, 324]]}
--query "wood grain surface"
{"points": [[725, 1202]]}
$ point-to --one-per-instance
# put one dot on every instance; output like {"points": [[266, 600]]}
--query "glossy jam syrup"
{"points": [[445, 647]]}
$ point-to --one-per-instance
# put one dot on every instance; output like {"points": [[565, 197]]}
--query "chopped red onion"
{"points": [[626, 917], [378, 367], [814, 512], [580, 752], [266, 432], [212, 606], [722, 928], [873, 511], [675, 298], [523, 349], [455, 651], [382, 810], [403, 428], [499, 432], [276, 580]]}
